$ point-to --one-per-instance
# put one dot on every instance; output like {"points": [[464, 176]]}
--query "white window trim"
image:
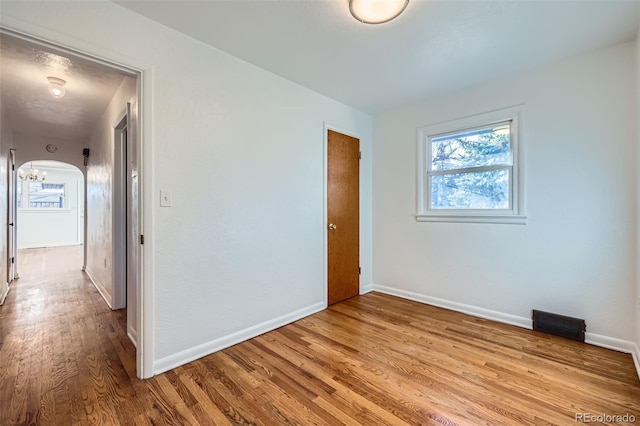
{"points": [[515, 214], [43, 210]]}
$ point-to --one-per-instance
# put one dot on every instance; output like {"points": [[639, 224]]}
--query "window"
{"points": [[469, 170], [42, 195]]}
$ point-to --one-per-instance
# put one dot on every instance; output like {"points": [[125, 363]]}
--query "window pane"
{"points": [[479, 190], [46, 195], [484, 147]]}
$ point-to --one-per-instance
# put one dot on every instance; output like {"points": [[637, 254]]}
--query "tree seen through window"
{"points": [[471, 170]]}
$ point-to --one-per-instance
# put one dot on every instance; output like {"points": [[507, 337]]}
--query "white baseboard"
{"points": [[609, 342], [636, 358], [103, 292], [196, 352], [364, 289], [613, 343], [458, 307], [3, 296], [133, 335]]}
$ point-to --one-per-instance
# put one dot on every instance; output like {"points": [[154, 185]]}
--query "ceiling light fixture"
{"points": [[32, 176], [376, 11], [56, 87]]}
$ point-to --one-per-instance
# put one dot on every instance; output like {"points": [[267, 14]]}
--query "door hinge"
{"points": [[359, 155], [13, 167], [141, 239], [359, 270], [13, 260]]}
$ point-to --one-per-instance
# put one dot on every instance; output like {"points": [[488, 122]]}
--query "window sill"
{"points": [[473, 218], [43, 210]]}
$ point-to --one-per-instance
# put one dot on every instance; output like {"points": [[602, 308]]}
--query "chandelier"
{"points": [[32, 176]]}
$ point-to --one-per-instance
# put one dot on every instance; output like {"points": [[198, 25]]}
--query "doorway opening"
{"points": [[76, 128], [49, 205]]}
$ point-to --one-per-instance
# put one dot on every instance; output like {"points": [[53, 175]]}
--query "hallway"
{"points": [[64, 355]]}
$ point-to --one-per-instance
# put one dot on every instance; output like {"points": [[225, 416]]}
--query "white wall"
{"points": [[637, 118], [49, 227], [576, 255], [241, 251], [33, 148], [100, 192]]}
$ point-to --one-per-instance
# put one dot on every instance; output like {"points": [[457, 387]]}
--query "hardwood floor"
{"points": [[372, 360]]}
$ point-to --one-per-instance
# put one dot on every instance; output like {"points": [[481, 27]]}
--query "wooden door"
{"points": [[343, 214]]}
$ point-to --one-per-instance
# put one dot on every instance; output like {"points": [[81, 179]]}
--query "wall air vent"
{"points": [[559, 325]]}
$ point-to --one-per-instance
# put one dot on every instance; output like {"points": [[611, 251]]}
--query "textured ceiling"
{"points": [[433, 47], [26, 103]]}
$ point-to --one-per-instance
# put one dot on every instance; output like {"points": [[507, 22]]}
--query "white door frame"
{"points": [[119, 211], [125, 227], [52, 39], [12, 233], [132, 213]]}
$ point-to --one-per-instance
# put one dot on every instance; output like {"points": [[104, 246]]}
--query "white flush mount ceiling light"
{"points": [[56, 87], [376, 11]]}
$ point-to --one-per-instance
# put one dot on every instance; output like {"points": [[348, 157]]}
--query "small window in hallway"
{"points": [[46, 195]]}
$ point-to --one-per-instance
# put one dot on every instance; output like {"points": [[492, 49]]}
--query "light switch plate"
{"points": [[165, 198]]}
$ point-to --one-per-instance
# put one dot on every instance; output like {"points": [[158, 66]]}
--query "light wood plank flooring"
{"points": [[372, 360]]}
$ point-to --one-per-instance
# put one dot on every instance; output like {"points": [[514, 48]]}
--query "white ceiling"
{"points": [[433, 47], [26, 103]]}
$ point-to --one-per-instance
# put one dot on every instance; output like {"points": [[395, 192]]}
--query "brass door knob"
{"points": [[332, 227]]}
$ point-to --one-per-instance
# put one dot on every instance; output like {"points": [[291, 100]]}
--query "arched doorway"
{"points": [[50, 205]]}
